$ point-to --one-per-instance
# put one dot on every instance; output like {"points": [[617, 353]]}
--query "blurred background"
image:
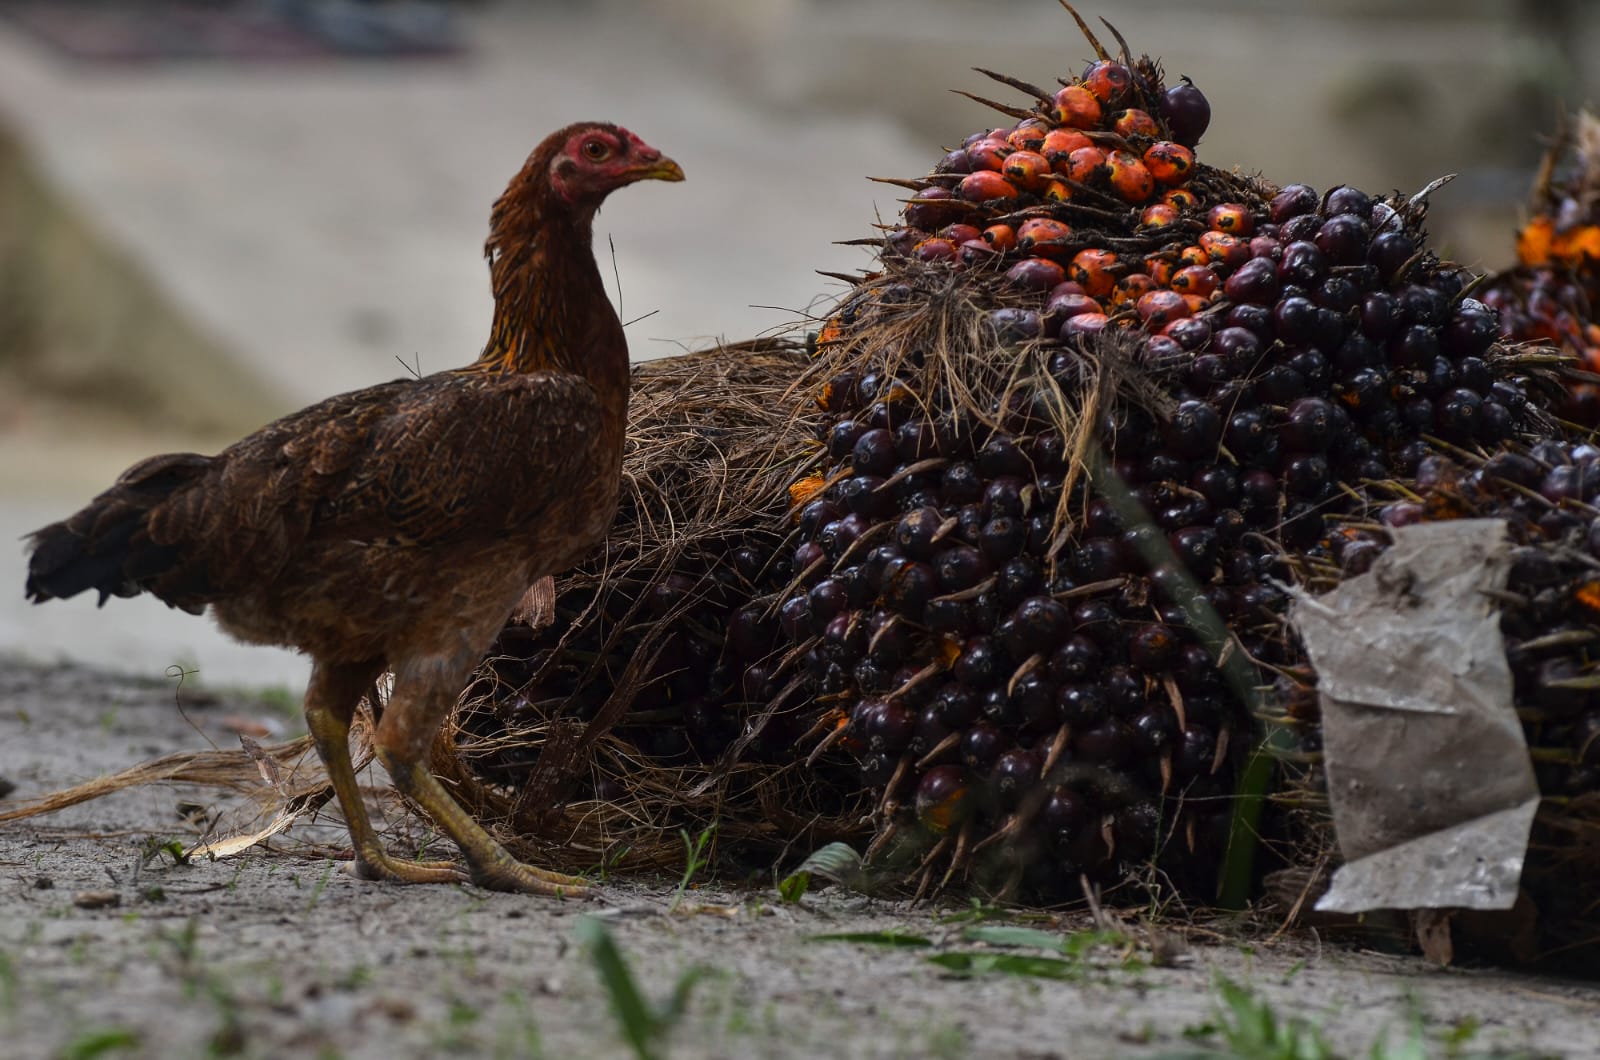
{"points": [[214, 211]]}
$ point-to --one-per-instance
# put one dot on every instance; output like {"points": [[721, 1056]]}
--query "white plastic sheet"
{"points": [[1429, 777]]}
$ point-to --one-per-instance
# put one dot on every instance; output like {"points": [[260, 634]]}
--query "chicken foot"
{"points": [[331, 699], [423, 693]]}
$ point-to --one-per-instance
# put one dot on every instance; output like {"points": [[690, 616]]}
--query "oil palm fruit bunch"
{"points": [[1553, 292], [1098, 402], [1548, 495]]}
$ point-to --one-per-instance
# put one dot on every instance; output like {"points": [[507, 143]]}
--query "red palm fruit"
{"points": [[1059, 143], [1190, 332], [1002, 237], [1132, 287], [1135, 122], [1059, 310], [1057, 191], [932, 208], [1077, 108], [986, 186], [1028, 135], [1028, 170], [1231, 251], [1129, 177], [1182, 198], [1160, 308], [959, 233], [1168, 162], [1084, 324], [1063, 304], [977, 252], [1036, 274], [1107, 80], [936, 249], [1195, 302], [954, 162], [1193, 255], [1159, 215], [1161, 269], [1095, 270], [1160, 348], [1042, 235], [1195, 279], [988, 154], [1231, 217], [1086, 163]]}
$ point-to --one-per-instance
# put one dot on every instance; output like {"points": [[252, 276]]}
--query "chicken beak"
{"points": [[661, 169]]}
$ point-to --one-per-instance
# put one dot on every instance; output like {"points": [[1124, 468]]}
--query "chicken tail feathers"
{"points": [[108, 545]]}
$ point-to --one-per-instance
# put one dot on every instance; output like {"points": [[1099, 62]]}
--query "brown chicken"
{"points": [[396, 527]]}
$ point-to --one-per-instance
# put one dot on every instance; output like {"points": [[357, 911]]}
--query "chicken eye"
{"points": [[595, 150]]}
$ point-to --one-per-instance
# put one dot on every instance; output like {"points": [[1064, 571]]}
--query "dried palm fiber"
{"points": [[1033, 495]]}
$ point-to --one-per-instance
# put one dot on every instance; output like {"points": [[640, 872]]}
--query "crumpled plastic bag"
{"points": [[1429, 776]]}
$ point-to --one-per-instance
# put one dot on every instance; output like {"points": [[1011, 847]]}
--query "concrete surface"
{"points": [[275, 953]]}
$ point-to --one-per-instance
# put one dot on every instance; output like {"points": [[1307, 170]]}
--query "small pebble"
{"points": [[96, 899]]}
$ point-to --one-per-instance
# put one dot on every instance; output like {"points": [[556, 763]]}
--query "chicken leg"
{"points": [[331, 699], [424, 690]]}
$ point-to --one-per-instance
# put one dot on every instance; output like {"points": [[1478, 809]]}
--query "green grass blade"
{"points": [[639, 1025], [892, 939], [981, 962], [1010, 935]]}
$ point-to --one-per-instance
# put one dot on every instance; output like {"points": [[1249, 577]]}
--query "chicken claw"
{"points": [[508, 874]]}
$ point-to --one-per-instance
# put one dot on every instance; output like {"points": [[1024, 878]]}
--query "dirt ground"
{"points": [[277, 953]]}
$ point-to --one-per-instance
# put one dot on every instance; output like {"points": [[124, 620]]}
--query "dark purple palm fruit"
{"points": [[1037, 625], [933, 208], [1016, 772], [842, 438], [982, 745], [1293, 201], [961, 567], [1153, 648], [907, 586], [1186, 111], [916, 535], [944, 798], [1075, 659], [888, 729], [874, 453], [1066, 813]]}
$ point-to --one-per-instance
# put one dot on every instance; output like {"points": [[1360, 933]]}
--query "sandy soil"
{"points": [[277, 953]]}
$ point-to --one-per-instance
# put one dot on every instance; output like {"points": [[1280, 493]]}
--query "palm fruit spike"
{"points": [[1552, 293]]}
